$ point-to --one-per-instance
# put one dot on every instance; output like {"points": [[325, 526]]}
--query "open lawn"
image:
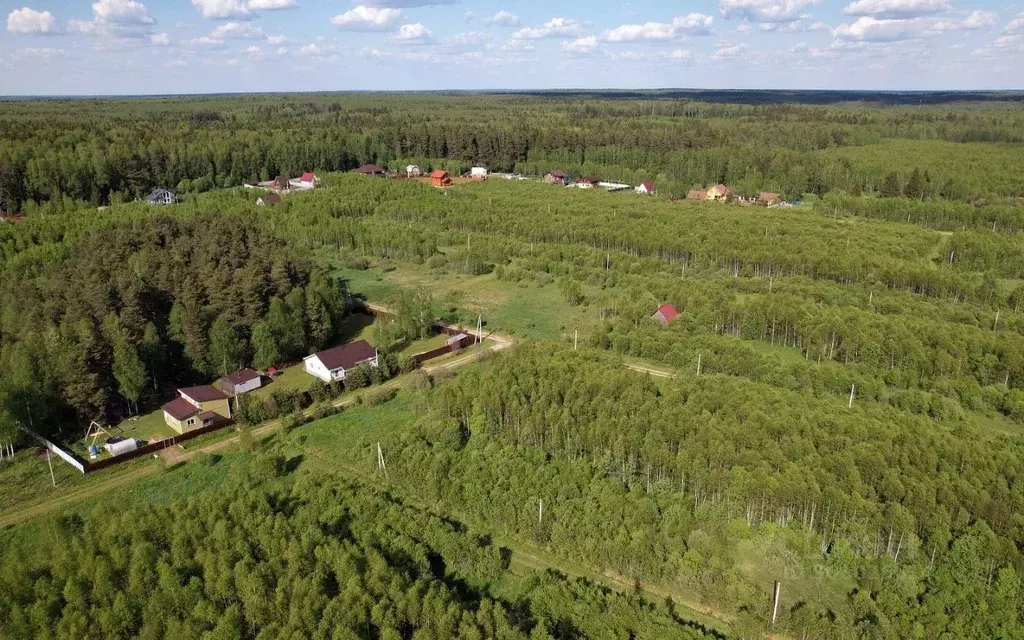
{"points": [[149, 427], [293, 378]]}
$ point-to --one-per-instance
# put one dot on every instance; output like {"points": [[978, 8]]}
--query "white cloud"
{"points": [[726, 52], [117, 22], [1017, 24], [584, 46], [222, 9], [272, 5], [121, 12], [364, 18], [254, 51], [633, 32], [237, 31], [518, 45], [468, 39], [312, 50], [40, 52], [29, 21], [160, 40], [694, 24], [282, 51], [408, 4], [503, 19], [765, 10], [897, 9], [276, 40], [868, 29], [171, 64], [414, 33], [468, 16], [554, 28], [980, 20], [680, 55]]}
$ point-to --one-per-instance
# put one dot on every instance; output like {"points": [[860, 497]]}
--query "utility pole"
{"points": [[52, 478], [853, 388], [576, 340], [380, 461], [479, 327], [775, 605], [540, 511], [698, 363], [996, 323]]}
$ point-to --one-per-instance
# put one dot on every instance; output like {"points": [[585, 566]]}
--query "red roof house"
{"points": [[440, 179], [645, 187], [666, 313], [334, 363]]}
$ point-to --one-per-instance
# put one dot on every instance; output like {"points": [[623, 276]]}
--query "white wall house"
{"points": [[333, 364], [478, 172]]}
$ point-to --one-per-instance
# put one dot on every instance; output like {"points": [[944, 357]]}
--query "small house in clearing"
{"points": [[720, 193], [307, 180], [587, 182], [281, 183], [768, 199], [370, 170], [268, 199], [413, 171], [666, 313], [556, 177], [645, 187], [241, 381], [478, 172], [334, 364], [440, 179], [696, 194], [196, 407], [161, 197]]}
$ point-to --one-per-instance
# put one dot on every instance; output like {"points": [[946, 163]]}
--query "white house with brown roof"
{"points": [[334, 364], [241, 381]]}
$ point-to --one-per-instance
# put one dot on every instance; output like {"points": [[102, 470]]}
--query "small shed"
{"points": [[768, 198], [666, 313], [117, 446], [459, 340], [413, 171], [478, 172], [281, 182], [440, 179], [645, 187], [241, 381]]}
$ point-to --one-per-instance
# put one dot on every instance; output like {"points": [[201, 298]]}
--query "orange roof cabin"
{"points": [[556, 177], [440, 179], [666, 313], [768, 198], [696, 194], [370, 170]]}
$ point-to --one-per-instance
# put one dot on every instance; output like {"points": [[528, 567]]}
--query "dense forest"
{"points": [[842, 403], [105, 151], [315, 560], [93, 328]]}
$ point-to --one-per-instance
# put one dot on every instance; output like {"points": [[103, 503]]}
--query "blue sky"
{"points": [[75, 47]]}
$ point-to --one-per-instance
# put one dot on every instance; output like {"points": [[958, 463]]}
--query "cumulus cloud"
{"points": [[121, 12], [503, 19], [633, 32], [679, 55], [160, 40], [868, 29], [554, 28], [408, 4], [980, 20], [727, 52], [414, 34], [897, 9], [468, 39], [1017, 24], [272, 5], [237, 31], [765, 10], [365, 18], [222, 9], [117, 20], [31, 22], [584, 46]]}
